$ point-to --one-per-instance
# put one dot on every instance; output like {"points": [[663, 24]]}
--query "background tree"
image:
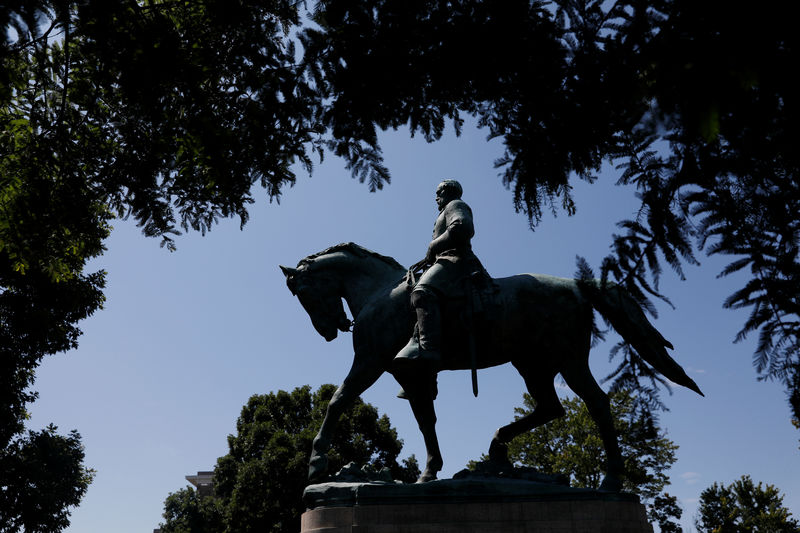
{"points": [[258, 485], [572, 446], [743, 507], [185, 511], [118, 108], [50, 226], [43, 476]]}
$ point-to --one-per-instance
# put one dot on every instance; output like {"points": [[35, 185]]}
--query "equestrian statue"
{"points": [[446, 313]]}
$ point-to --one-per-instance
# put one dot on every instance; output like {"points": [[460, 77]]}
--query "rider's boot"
{"points": [[423, 350]]}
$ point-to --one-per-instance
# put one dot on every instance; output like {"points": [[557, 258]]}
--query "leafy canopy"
{"points": [[174, 111]]}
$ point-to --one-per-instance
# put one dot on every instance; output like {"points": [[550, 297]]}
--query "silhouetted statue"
{"points": [[540, 324]]}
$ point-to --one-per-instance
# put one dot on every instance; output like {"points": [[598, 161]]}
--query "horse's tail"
{"points": [[628, 319]]}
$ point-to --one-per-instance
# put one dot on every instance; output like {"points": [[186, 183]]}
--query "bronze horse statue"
{"points": [[541, 324]]}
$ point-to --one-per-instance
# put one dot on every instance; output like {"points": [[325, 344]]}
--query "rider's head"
{"points": [[447, 191], [452, 188]]}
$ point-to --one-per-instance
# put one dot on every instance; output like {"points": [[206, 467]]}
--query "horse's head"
{"points": [[317, 292]]}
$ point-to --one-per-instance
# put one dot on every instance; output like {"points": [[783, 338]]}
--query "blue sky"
{"points": [[186, 337]]}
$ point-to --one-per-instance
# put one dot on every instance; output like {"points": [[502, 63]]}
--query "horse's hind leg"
{"points": [[548, 407], [580, 379]]}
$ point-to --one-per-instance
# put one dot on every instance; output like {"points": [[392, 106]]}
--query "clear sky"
{"points": [[186, 337]]}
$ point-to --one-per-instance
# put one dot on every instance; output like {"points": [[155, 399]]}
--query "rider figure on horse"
{"points": [[449, 260]]}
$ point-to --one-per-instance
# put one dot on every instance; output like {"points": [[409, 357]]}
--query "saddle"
{"points": [[481, 291], [473, 295], [468, 315]]}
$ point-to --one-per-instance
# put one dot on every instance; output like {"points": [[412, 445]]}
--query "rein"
{"points": [[417, 268]]}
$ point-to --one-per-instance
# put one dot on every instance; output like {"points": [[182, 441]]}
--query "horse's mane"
{"points": [[354, 249]]}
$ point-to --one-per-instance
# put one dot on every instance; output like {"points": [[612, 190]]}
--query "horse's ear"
{"points": [[288, 271]]}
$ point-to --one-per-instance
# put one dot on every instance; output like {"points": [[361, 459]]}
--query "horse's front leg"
{"points": [[359, 379], [421, 396], [318, 462]]}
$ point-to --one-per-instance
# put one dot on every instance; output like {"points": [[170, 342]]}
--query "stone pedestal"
{"points": [[459, 506]]}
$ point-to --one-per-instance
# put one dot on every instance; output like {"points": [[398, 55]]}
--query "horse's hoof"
{"points": [[498, 453], [611, 484], [427, 476], [317, 468]]}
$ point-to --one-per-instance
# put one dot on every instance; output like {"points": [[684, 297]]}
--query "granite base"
{"points": [[450, 506]]}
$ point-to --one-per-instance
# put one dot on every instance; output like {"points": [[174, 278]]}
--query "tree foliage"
{"points": [[185, 511], [743, 507], [174, 111], [572, 446], [50, 226], [41, 477], [258, 485]]}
